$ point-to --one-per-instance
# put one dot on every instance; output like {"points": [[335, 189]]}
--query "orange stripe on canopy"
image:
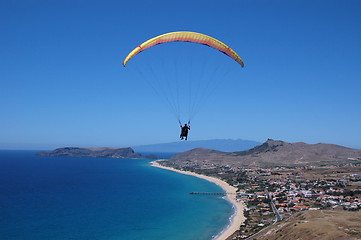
{"points": [[185, 37]]}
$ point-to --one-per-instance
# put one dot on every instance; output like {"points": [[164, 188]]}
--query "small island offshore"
{"points": [[94, 152], [279, 190]]}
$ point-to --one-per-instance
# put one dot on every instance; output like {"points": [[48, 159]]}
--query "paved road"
{"points": [[274, 209]]}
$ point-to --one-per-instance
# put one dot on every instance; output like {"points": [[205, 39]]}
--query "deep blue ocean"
{"points": [[103, 199]]}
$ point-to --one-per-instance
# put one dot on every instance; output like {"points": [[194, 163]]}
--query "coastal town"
{"points": [[273, 194]]}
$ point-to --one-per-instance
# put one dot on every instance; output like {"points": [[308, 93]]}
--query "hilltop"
{"points": [[273, 152], [93, 152]]}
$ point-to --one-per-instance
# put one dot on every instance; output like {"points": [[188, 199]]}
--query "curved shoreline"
{"points": [[237, 218]]}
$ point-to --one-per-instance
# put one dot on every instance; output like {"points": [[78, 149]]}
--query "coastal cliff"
{"points": [[93, 152]]}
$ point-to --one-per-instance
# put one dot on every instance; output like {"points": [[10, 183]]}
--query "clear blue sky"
{"points": [[63, 83]]}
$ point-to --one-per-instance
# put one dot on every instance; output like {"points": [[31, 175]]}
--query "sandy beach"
{"points": [[237, 219]]}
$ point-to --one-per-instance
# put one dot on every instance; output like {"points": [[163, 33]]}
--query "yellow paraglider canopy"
{"points": [[185, 37]]}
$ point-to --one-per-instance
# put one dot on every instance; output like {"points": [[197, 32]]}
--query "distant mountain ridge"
{"points": [[93, 152], [273, 152], [225, 145]]}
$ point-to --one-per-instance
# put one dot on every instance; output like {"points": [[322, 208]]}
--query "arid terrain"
{"points": [[318, 224], [274, 153]]}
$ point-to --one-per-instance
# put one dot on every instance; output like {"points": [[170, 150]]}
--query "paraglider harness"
{"points": [[185, 128]]}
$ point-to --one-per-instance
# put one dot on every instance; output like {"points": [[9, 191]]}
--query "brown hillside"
{"points": [[318, 224], [274, 152]]}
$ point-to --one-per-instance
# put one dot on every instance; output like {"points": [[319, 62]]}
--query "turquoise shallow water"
{"points": [[94, 198]]}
